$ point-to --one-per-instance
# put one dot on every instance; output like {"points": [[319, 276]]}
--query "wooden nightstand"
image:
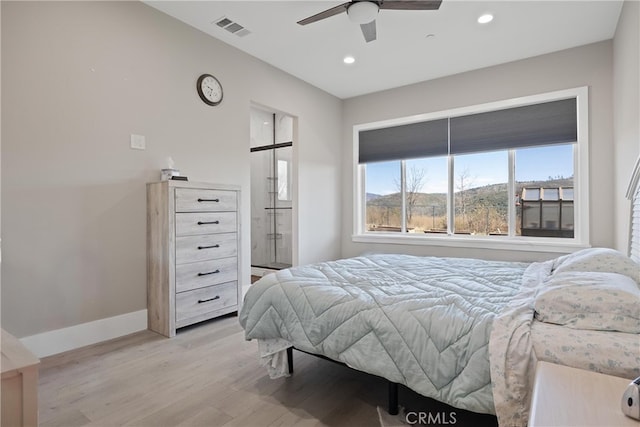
{"points": [[565, 396], [19, 383]]}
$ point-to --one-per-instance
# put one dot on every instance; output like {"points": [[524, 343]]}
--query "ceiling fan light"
{"points": [[363, 12]]}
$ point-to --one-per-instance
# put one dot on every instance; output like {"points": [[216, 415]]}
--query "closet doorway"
{"points": [[271, 191]]}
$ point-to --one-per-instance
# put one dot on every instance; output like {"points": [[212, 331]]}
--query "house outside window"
{"points": [[547, 212], [468, 177]]}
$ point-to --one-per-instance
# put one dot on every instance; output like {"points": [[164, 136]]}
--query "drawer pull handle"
{"points": [[200, 301], [208, 247], [208, 200], [208, 273], [208, 222]]}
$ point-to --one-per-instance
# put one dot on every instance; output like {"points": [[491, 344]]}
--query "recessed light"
{"points": [[486, 18], [349, 59]]}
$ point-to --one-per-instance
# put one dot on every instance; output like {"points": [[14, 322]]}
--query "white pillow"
{"points": [[595, 301], [598, 260]]}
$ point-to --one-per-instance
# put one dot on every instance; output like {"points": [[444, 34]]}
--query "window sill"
{"points": [[539, 244]]}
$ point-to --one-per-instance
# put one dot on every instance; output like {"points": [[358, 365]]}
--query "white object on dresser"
{"points": [[566, 396], [630, 402], [193, 261], [19, 383]]}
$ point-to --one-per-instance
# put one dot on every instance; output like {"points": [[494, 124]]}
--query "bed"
{"points": [[461, 331], [465, 332]]}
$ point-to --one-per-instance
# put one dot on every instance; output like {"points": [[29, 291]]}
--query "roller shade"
{"points": [[547, 123], [415, 140]]}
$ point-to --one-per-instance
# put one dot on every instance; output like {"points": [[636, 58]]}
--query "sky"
{"points": [[536, 163]]}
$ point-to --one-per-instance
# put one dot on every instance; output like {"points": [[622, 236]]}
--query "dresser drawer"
{"points": [[198, 200], [193, 306], [188, 224], [197, 275], [204, 247]]}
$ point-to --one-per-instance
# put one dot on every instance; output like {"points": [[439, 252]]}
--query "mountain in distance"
{"points": [[491, 195]]}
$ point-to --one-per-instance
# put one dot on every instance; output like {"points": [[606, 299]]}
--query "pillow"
{"points": [[594, 301], [598, 260]]}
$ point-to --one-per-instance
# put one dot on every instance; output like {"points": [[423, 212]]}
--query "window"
{"points": [[426, 189], [481, 196], [509, 173], [544, 184], [383, 204]]}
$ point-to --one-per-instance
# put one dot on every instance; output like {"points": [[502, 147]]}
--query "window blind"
{"points": [[546, 123], [422, 139]]}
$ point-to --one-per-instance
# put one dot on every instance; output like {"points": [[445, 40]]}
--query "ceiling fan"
{"points": [[364, 12]]}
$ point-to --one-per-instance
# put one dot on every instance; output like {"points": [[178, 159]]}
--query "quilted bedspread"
{"points": [[424, 322]]}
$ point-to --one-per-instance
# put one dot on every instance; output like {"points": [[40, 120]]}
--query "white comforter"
{"points": [[420, 321]]}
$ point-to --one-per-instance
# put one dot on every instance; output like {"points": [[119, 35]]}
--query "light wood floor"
{"points": [[208, 375]]}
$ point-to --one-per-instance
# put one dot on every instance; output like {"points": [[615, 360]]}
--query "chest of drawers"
{"points": [[193, 261]]}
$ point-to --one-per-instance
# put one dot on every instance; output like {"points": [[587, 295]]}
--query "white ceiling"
{"points": [[403, 52]]}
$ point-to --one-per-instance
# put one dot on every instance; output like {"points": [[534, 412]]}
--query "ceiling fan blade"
{"points": [[325, 14], [369, 31], [410, 4]]}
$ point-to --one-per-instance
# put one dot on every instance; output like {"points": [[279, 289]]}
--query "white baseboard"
{"points": [[65, 339]]}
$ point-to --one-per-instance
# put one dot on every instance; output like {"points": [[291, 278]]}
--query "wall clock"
{"points": [[209, 89]]}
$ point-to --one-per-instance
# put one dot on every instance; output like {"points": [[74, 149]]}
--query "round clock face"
{"points": [[209, 89]]}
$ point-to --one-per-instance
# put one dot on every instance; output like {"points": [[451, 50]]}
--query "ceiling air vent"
{"points": [[232, 27]]}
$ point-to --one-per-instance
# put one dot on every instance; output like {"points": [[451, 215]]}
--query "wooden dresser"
{"points": [[193, 262], [19, 383]]}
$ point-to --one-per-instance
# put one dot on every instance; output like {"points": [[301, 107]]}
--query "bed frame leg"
{"points": [[290, 359], [393, 398]]}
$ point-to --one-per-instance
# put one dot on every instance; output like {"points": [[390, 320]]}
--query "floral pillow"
{"points": [[598, 260], [595, 301]]}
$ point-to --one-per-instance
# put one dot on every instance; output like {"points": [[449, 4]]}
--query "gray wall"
{"points": [[589, 65], [626, 123], [78, 78]]}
